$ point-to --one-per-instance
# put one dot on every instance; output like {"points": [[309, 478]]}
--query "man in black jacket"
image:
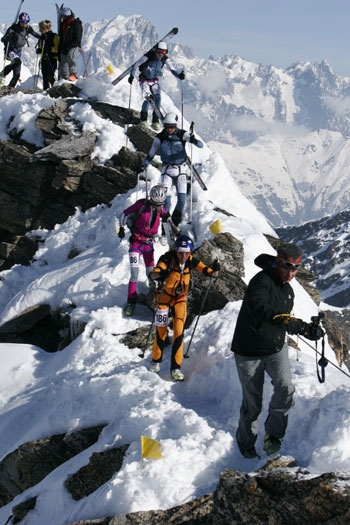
{"points": [[259, 346], [71, 32]]}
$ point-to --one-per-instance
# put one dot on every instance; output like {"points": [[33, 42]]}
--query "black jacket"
{"points": [[256, 333]]}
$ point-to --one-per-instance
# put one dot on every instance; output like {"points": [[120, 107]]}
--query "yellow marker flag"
{"points": [[150, 448], [216, 227], [110, 69]]}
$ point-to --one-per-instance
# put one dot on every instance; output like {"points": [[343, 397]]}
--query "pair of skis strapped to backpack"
{"points": [[165, 38]]}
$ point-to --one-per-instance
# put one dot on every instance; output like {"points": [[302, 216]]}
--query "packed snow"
{"points": [[97, 379]]}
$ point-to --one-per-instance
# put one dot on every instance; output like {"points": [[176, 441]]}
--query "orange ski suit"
{"points": [[173, 296]]}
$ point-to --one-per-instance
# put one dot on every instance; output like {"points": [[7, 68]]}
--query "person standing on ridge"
{"points": [[172, 144], [150, 70], [259, 346], [147, 215], [14, 40], [48, 49], [174, 270], [71, 32]]}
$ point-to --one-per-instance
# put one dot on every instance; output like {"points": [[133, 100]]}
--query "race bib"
{"points": [[161, 318], [134, 258]]}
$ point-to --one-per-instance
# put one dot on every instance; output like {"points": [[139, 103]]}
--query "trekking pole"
{"points": [[198, 316], [191, 185], [127, 126], [182, 105], [161, 291]]}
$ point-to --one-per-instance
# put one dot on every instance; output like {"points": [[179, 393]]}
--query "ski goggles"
{"points": [[161, 51], [289, 265]]}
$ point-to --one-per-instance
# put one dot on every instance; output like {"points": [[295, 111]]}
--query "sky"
{"points": [[42, 394], [270, 32]]}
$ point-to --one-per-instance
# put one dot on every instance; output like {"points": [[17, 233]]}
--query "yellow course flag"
{"points": [[150, 448], [216, 227]]}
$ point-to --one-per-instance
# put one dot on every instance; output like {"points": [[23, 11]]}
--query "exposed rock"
{"points": [[34, 460], [102, 466]]}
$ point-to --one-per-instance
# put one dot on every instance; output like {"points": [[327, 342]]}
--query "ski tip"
{"points": [[175, 30]]}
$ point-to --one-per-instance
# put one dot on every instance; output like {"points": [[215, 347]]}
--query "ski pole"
{"points": [[161, 291], [182, 105], [198, 316], [191, 174], [127, 126]]}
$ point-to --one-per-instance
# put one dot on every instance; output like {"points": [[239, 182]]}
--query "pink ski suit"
{"points": [[143, 232]]}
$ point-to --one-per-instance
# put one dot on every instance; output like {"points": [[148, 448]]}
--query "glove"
{"points": [[131, 79], [295, 326], [181, 75], [216, 266], [121, 233], [196, 142], [313, 332], [163, 275]]}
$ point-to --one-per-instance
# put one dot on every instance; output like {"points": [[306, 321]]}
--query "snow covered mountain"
{"points": [[98, 380], [282, 132]]}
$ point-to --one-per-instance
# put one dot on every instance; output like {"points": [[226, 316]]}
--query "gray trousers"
{"points": [[251, 373]]}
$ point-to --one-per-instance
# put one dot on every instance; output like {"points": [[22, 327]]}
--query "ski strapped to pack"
{"points": [[165, 38], [190, 165]]}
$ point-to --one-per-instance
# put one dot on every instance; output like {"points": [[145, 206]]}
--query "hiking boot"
{"points": [[177, 375], [129, 309], [155, 367], [271, 444], [156, 126], [72, 78], [250, 453]]}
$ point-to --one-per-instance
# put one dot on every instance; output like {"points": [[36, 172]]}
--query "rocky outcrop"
{"points": [[280, 492]]}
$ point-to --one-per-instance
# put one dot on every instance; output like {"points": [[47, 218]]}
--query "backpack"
{"points": [[131, 219], [151, 55]]}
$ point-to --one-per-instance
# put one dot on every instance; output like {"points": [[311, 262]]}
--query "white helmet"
{"points": [[170, 119], [162, 45], [158, 194]]}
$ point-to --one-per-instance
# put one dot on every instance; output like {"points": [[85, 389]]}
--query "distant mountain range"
{"points": [[282, 132]]}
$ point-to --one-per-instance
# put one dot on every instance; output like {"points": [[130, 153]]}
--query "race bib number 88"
{"points": [[162, 317]]}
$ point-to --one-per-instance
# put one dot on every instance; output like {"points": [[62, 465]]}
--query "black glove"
{"points": [[295, 326], [181, 75], [121, 233], [131, 79], [163, 275], [313, 332], [216, 266]]}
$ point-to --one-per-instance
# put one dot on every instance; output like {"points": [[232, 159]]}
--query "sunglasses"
{"points": [[291, 266], [161, 51]]}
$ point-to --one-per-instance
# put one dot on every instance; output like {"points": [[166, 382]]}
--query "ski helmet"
{"points": [[170, 120], [24, 18], [66, 11], [162, 48], [183, 244], [158, 194]]}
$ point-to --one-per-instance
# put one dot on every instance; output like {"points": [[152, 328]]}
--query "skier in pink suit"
{"points": [[146, 217]]}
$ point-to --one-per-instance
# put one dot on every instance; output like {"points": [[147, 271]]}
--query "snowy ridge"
{"points": [[97, 379]]}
